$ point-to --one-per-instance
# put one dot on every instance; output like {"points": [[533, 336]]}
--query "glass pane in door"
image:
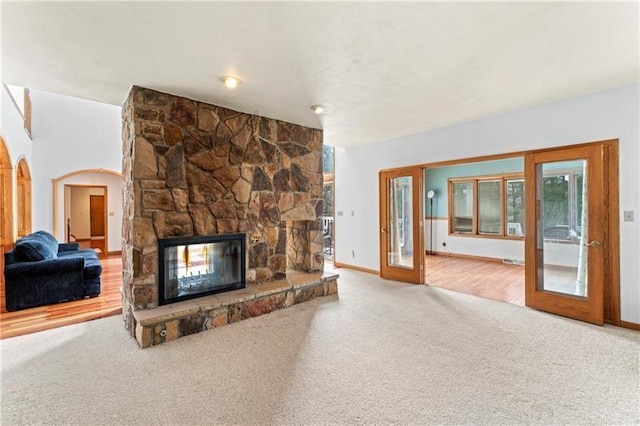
{"points": [[561, 227], [400, 225]]}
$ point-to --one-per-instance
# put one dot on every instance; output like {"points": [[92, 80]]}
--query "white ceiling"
{"points": [[382, 69]]}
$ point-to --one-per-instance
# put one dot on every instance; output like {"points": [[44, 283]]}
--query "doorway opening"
{"points": [[474, 228], [85, 212], [515, 227]]}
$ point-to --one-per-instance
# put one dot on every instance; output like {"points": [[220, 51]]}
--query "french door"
{"points": [[401, 225], [566, 232]]}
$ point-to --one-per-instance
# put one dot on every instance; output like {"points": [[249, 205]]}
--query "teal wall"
{"points": [[437, 179]]}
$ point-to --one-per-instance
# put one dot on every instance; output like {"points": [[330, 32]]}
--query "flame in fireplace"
{"points": [[185, 257]]}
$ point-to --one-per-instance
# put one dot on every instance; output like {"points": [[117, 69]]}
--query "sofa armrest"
{"points": [[68, 247], [44, 267]]}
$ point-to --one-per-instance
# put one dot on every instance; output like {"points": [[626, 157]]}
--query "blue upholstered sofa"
{"points": [[40, 271]]}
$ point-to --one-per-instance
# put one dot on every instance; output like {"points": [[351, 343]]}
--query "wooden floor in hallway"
{"points": [[484, 278], [108, 303]]}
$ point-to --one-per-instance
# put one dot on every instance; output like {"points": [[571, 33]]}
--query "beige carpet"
{"points": [[380, 353]]}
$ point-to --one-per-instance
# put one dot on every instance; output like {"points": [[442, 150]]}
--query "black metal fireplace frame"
{"points": [[173, 242]]}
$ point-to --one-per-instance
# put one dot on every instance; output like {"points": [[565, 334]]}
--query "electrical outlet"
{"points": [[353, 253], [628, 216], [444, 244]]}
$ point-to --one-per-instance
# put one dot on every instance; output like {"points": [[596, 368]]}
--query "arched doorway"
{"points": [[23, 197], [110, 182], [6, 185]]}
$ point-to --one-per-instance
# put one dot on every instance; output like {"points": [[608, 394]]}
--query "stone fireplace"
{"points": [[192, 169]]}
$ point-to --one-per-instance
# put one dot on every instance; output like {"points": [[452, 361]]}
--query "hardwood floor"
{"points": [[491, 280], [108, 303]]}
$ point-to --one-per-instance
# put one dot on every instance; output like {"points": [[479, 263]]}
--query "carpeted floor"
{"points": [[380, 353]]}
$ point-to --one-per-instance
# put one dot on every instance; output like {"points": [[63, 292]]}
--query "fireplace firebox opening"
{"points": [[198, 266]]}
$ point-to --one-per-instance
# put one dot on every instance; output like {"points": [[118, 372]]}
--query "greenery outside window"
{"points": [[515, 206], [463, 200]]}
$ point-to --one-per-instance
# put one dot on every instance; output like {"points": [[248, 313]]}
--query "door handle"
{"points": [[383, 230], [593, 243]]}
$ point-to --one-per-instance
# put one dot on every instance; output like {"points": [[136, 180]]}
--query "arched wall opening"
{"points": [[111, 181]]}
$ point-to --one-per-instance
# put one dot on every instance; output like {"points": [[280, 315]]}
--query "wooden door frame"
{"points": [[612, 214], [417, 275], [106, 208]]}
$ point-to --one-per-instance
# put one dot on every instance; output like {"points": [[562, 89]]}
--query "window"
{"points": [[462, 207], [563, 201], [556, 206], [495, 205], [328, 195], [515, 206], [487, 206]]}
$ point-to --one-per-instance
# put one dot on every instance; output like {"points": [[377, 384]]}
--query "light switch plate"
{"points": [[629, 216]]}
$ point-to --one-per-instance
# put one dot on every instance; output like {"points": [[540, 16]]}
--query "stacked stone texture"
{"points": [[193, 169]]}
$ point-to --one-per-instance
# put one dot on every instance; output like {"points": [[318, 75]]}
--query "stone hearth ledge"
{"points": [[169, 322]]}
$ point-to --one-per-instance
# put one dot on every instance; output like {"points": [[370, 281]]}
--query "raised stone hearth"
{"points": [[195, 169], [169, 322]]}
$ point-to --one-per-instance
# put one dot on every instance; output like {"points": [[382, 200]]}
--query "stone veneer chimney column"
{"points": [[192, 169]]}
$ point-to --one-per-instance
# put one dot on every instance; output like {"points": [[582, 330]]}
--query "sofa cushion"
{"points": [[92, 266], [37, 246]]}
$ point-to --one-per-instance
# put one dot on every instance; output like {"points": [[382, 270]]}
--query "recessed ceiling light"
{"points": [[318, 109], [230, 81]]}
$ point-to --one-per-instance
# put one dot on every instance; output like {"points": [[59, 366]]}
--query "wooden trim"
{"points": [[87, 171], [27, 111], [515, 175], [612, 215], [629, 325], [23, 186], [115, 252], [467, 256], [513, 154], [488, 236], [6, 196], [356, 268]]}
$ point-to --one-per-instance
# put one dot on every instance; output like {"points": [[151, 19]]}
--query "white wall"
{"points": [[71, 134], [605, 115], [12, 127]]}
